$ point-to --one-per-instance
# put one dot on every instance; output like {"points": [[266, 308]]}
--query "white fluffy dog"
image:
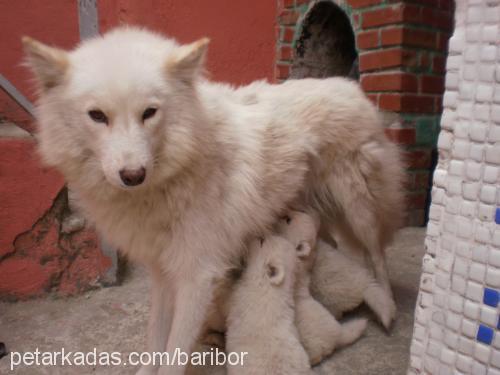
{"points": [[178, 173]]}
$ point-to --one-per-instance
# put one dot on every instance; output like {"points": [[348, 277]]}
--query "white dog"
{"points": [[178, 174]]}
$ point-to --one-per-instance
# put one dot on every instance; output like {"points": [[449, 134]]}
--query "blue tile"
{"points": [[490, 297], [497, 215], [485, 334]]}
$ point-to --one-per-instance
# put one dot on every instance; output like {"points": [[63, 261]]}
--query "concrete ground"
{"points": [[114, 320]]}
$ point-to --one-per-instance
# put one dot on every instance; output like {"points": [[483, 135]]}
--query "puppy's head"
{"points": [[271, 259], [117, 106], [301, 229]]}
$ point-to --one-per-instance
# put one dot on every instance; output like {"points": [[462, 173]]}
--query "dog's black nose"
{"points": [[133, 177]]}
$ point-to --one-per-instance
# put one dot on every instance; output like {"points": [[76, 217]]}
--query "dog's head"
{"points": [[117, 106]]}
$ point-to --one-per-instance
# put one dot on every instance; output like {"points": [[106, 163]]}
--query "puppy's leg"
{"points": [[351, 331], [193, 295], [160, 318], [381, 303]]}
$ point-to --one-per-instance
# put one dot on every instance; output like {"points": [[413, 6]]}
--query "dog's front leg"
{"points": [[192, 299], [160, 318]]}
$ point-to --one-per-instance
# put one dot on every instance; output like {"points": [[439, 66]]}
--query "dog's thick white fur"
{"points": [[261, 316], [210, 168], [341, 284], [319, 332]]}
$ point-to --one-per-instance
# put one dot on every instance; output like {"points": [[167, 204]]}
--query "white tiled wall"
{"points": [[463, 239]]}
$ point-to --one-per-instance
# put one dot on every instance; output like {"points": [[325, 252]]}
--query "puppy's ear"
{"points": [[48, 64], [303, 249], [187, 61], [275, 272]]}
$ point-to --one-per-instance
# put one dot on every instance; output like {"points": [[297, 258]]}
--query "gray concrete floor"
{"points": [[114, 320]]}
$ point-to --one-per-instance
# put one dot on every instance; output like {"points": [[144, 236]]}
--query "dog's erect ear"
{"points": [[275, 271], [49, 64], [187, 61]]}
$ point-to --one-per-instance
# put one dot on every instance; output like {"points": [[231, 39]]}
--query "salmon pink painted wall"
{"points": [[54, 22], [242, 32]]}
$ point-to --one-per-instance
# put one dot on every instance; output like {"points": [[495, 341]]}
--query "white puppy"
{"points": [[341, 284], [261, 318], [319, 331]]}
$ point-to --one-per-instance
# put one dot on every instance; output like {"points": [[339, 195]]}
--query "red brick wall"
{"points": [[402, 48]]}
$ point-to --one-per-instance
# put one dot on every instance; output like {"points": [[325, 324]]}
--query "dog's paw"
{"points": [[358, 326], [389, 314]]}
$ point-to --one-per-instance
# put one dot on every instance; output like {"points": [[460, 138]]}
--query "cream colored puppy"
{"points": [[341, 284], [261, 318], [319, 331]]}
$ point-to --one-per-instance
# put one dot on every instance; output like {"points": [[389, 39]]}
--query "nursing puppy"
{"points": [[261, 316], [341, 284], [178, 175], [319, 332]]}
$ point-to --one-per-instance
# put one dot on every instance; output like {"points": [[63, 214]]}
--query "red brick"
{"points": [[287, 35], [416, 200], [408, 37], [282, 71], [286, 53], [436, 18], [425, 60], [403, 136], [373, 98], [421, 180], [439, 64], [406, 103], [417, 159], [367, 39], [392, 14], [446, 4], [288, 17], [300, 2], [356, 4], [432, 84], [355, 21], [438, 104], [386, 59], [408, 181], [288, 3], [445, 21], [442, 42], [396, 81]]}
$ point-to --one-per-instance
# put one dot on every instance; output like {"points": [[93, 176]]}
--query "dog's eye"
{"points": [[300, 247], [148, 113], [98, 116]]}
